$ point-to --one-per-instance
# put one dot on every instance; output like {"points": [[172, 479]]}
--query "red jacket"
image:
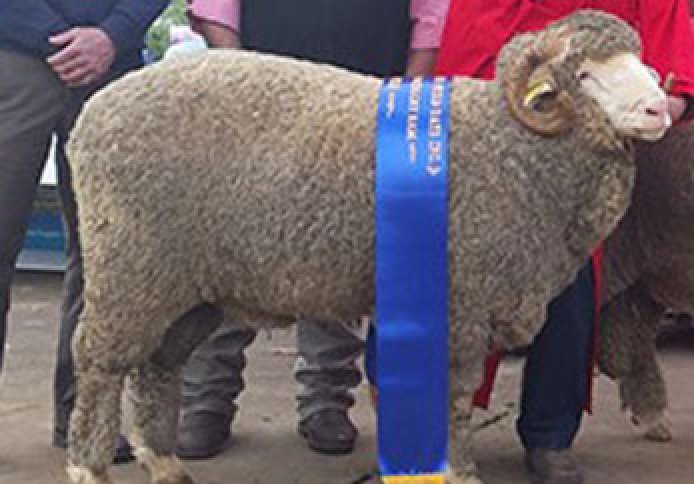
{"points": [[477, 29]]}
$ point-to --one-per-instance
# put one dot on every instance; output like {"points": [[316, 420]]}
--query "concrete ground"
{"points": [[266, 448]]}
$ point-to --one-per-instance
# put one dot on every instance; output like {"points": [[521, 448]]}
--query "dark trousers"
{"points": [[35, 105], [555, 381]]}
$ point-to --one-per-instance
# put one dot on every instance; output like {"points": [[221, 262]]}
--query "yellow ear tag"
{"points": [[536, 91]]}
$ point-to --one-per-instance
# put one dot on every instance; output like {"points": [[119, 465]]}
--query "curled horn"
{"points": [[529, 80]]}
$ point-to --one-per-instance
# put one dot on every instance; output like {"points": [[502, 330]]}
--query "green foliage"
{"points": [[157, 39]]}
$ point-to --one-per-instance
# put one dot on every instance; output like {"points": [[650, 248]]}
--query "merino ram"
{"points": [[239, 186]]}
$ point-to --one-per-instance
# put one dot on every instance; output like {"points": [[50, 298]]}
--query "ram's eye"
{"points": [[583, 76], [654, 74]]}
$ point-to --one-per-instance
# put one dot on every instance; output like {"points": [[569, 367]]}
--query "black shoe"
{"points": [[329, 432], [203, 435], [123, 453], [553, 466]]}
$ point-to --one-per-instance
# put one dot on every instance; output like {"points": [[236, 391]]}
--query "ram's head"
{"points": [[583, 69]]}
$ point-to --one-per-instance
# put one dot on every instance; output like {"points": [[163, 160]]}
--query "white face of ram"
{"points": [[629, 93]]}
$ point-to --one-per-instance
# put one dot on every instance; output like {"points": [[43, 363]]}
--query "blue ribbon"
{"points": [[412, 276]]}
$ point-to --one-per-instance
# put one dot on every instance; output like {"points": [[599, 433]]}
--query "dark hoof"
{"points": [[175, 480], [658, 433], [124, 451]]}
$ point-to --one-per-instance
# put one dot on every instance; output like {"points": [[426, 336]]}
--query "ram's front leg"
{"points": [[465, 375], [462, 468], [628, 354]]}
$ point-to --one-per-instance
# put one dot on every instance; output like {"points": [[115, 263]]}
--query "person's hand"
{"points": [[85, 55], [421, 62], [216, 35], [676, 107]]}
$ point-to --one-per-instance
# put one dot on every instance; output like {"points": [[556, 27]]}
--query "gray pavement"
{"points": [[266, 448]]}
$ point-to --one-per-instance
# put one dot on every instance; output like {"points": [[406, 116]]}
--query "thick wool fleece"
{"points": [[247, 181]]}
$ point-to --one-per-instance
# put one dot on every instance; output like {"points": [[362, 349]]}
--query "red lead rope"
{"points": [[594, 351], [491, 365]]}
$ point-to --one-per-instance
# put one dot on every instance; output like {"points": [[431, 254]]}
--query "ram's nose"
{"points": [[656, 108], [654, 113]]}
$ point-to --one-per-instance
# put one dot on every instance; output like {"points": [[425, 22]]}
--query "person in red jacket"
{"points": [[556, 383]]}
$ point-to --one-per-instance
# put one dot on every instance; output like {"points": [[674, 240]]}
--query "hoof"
{"points": [[184, 479], [463, 480], [654, 429], [659, 432], [81, 475], [453, 478], [165, 469]]}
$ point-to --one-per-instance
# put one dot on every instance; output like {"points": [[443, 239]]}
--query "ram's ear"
{"points": [[531, 90], [537, 92]]}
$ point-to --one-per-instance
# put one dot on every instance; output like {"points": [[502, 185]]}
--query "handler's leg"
{"points": [[212, 379], [31, 100], [64, 392], [326, 371], [555, 384]]}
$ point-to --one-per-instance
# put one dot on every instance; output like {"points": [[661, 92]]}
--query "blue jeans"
{"points": [[555, 380]]}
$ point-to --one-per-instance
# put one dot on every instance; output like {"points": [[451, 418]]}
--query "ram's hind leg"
{"points": [[155, 392], [95, 420]]}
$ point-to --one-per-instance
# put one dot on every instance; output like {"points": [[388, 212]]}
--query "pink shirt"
{"points": [[428, 15]]}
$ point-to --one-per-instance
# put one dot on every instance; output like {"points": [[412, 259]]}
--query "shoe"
{"points": [[329, 432], [203, 435], [123, 452], [553, 467]]}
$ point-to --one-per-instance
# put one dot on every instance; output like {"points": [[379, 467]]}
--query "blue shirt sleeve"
{"points": [[129, 20], [28, 25]]}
